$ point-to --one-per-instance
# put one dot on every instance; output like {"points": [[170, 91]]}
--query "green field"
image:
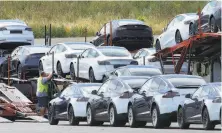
{"points": [[69, 19]]}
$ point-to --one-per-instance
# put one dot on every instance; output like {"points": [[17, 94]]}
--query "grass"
{"points": [[71, 18]]}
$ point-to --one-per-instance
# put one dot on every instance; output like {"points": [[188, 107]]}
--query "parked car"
{"points": [[134, 70], [109, 103], [95, 62], [210, 18], [158, 99], [203, 106], [14, 33], [131, 34], [178, 29], [23, 61], [71, 103], [63, 55]]}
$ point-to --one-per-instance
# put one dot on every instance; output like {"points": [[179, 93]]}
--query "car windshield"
{"points": [[114, 52], [218, 87], [88, 89], [191, 14], [144, 71], [135, 83], [185, 82]]}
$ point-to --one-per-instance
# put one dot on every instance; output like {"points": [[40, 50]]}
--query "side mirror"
{"points": [[56, 95], [136, 90], [188, 96], [164, 29], [94, 92], [143, 93]]}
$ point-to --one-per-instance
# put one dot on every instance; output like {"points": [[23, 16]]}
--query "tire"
{"points": [[51, 114], [2, 73], [114, 122], [181, 120], [156, 118], [132, 121], [40, 67], [71, 117], [91, 76], [191, 30], [59, 70], [104, 79], [178, 37], [158, 46], [20, 73], [213, 26], [207, 124], [72, 72], [11, 118], [90, 118]]}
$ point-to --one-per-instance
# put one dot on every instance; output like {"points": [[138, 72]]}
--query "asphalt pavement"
{"points": [[64, 127]]}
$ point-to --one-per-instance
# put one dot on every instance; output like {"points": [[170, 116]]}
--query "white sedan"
{"points": [[15, 33], [179, 28], [63, 55], [95, 62]]}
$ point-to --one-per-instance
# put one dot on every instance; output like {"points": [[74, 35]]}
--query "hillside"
{"points": [[71, 18]]}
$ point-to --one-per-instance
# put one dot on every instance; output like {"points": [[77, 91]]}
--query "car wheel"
{"points": [[51, 116], [40, 67], [20, 73], [72, 72], [181, 120], [156, 119], [157, 46], [178, 37], [90, 118], [59, 69], [11, 118], [213, 26], [131, 118], [113, 118], [207, 124], [104, 79], [191, 29], [71, 117], [91, 76]]}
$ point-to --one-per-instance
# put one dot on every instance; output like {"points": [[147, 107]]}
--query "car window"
{"points": [[146, 86], [75, 92], [15, 52], [85, 53], [205, 91], [179, 18], [93, 54], [66, 92], [163, 87], [60, 48], [116, 88], [155, 84], [123, 72], [196, 94], [213, 3], [205, 8], [144, 53], [137, 54], [102, 30], [104, 87], [171, 24], [53, 49]]}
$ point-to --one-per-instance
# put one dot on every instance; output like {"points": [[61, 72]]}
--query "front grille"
{"points": [[15, 31], [116, 66]]}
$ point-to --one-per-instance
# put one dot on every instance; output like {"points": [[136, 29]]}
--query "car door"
{"points": [[83, 69], [100, 112], [47, 59], [15, 59], [190, 106], [59, 56]]}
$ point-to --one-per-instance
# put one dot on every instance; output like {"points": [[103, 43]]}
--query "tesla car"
{"points": [[134, 70], [63, 55], [203, 106], [14, 33], [95, 62], [71, 103], [158, 99], [210, 17], [23, 61], [109, 103], [131, 34], [178, 29]]}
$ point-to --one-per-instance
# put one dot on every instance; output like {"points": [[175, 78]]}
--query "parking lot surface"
{"points": [[64, 127]]}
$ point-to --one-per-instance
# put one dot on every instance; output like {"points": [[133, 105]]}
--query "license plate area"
{"points": [[15, 32]]}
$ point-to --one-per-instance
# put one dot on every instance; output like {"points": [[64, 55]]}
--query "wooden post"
{"points": [[45, 36], [111, 42], [85, 33], [50, 34], [105, 39]]}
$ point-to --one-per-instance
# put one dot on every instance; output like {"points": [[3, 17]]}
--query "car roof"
{"points": [[130, 77], [87, 84], [168, 76], [138, 66]]}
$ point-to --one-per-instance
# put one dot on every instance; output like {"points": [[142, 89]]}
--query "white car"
{"points": [[144, 55], [15, 33], [71, 103], [203, 106], [158, 99], [95, 62], [178, 29], [63, 55]]}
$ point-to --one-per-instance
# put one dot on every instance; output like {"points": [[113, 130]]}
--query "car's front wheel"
{"points": [[71, 117], [72, 72], [213, 26], [113, 118], [178, 37], [91, 76], [132, 120], [156, 118], [181, 120], [51, 116], [207, 124], [90, 118]]}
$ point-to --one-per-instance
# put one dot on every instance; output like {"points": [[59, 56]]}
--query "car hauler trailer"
{"points": [[204, 48]]}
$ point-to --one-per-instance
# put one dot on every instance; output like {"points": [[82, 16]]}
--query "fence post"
{"points": [[105, 39], [111, 42], [85, 33], [50, 34], [77, 68]]}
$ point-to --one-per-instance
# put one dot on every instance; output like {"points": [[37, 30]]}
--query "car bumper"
{"points": [[170, 116]]}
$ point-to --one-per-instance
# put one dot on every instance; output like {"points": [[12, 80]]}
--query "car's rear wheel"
{"points": [[191, 29], [213, 26], [91, 76], [207, 124], [59, 70], [181, 120], [157, 46], [51, 116], [72, 72], [71, 117], [113, 118], [20, 73], [178, 37]]}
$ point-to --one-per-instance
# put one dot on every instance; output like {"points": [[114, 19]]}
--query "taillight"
{"points": [[133, 63], [3, 28], [126, 95], [217, 100], [104, 63], [82, 99], [170, 94], [70, 55], [28, 29]]}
